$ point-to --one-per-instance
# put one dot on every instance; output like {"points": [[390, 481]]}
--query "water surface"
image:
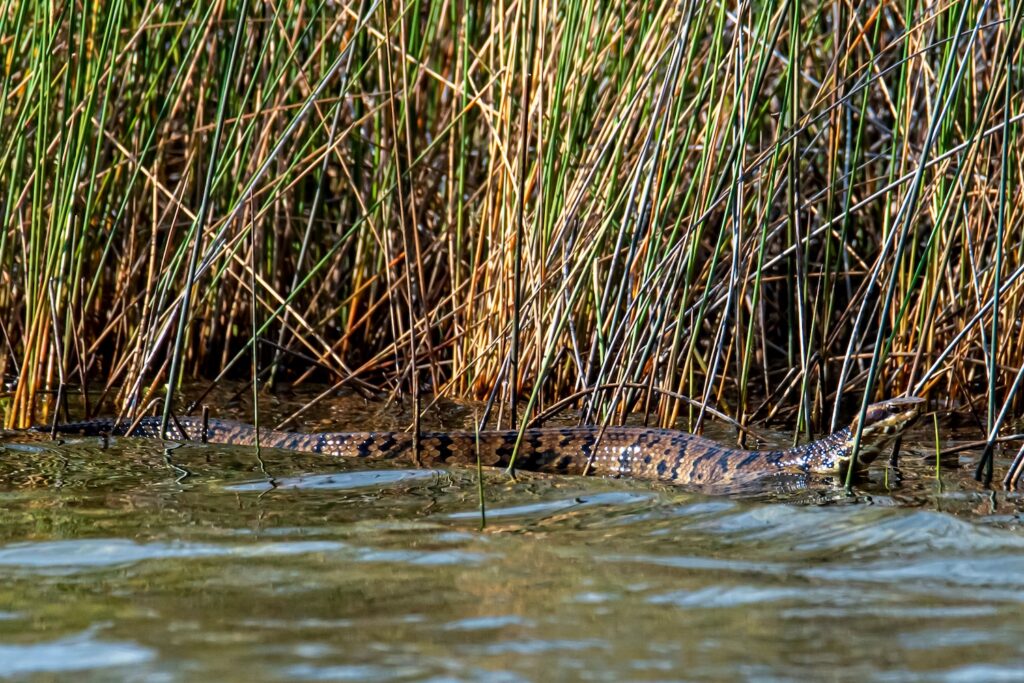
{"points": [[136, 562]]}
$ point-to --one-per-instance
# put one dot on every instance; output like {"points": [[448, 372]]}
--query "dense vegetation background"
{"points": [[764, 205]]}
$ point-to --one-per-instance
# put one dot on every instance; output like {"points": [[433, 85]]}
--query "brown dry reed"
{"points": [[775, 208]]}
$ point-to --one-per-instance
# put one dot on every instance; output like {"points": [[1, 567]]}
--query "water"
{"points": [[210, 563]]}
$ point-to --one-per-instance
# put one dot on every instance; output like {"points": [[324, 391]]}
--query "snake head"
{"points": [[883, 422]]}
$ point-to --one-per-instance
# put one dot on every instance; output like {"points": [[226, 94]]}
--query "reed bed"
{"points": [[774, 208]]}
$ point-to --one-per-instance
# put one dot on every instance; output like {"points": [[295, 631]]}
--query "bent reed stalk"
{"points": [[767, 207]]}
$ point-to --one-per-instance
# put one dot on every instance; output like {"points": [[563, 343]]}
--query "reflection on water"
{"points": [[74, 653], [208, 563]]}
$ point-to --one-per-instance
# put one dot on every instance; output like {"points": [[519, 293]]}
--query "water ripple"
{"points": [[88, 553], [74, 653], [337, 480]]}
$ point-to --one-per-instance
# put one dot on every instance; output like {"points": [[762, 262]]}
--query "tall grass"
{"points": [[770, 207]]}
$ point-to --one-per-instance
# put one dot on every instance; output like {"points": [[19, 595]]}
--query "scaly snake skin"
{"points": [[637, 452]]}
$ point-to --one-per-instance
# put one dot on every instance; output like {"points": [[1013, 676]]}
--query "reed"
{"points": [[775, 209]]}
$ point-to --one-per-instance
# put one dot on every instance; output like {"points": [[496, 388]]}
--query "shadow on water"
{"points": [[207, 563]]}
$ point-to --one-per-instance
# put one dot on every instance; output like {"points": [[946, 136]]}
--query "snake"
{"points": [[665, 455]]}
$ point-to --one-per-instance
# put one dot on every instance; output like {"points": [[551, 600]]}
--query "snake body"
{"points": [[636, 452]]}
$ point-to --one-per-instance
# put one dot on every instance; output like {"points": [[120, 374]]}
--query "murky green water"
{"points": [[208, 563]]}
